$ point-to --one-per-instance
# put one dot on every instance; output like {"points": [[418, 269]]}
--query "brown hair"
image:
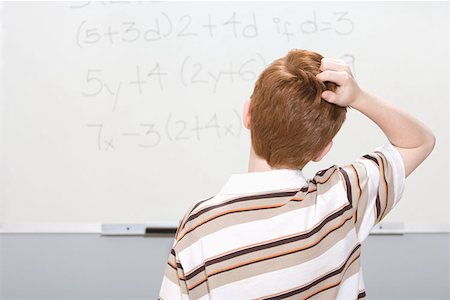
{"points": [[290, 123]]}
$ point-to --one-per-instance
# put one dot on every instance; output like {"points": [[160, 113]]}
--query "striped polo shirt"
{"points": [[276, 235]]}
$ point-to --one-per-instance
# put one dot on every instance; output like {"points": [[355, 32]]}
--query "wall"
{"points": [[88, 267]]}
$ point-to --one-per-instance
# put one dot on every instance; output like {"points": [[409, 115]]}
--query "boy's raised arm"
{"points": [[412, 138]]}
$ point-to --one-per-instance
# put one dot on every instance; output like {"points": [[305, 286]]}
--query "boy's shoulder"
{"points": [[196, 215], [227, 209]]}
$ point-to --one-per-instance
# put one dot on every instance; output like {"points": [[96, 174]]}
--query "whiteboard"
{"points": [[118, 112]]}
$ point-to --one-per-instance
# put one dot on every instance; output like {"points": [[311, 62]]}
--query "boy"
{"points": [[272, 234]]}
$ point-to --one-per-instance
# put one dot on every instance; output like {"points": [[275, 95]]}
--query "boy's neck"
{"points": [[257, 164]]}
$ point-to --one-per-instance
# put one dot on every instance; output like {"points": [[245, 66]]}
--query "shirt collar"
{"points": [[256, 182]]}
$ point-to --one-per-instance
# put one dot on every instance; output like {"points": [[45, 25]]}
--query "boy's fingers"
{"points": [[334, 59], [338, 77], [334, 65], [329, 96]]}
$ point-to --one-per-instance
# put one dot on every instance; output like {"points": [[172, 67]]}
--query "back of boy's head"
{"points": [[290, 123]]}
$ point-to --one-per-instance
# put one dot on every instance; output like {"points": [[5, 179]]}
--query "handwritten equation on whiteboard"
{"points": [[173, 129], [234, 24], [153, 79], [148, 78]]}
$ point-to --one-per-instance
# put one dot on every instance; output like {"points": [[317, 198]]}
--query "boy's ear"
{"points": [[323, 152], [246, 115]]}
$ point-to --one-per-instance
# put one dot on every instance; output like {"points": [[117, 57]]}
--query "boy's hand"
{"points": [[337, 71], [413, 140]]}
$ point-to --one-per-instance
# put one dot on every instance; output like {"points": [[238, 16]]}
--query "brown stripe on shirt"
{"points": [[231, 258], [348, 185], [370, 157], [360, 206], [239, 213], [351, 258], [189, 218], [276, 194], [275, 258], [388, 194], [331, 291], [356, 199], [215, 218]]}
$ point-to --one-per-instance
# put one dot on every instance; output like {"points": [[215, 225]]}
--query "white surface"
{"points": [[57, 168]]}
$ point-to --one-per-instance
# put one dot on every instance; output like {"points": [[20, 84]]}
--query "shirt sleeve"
{"points": [[173, 285], [374, 185]]}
